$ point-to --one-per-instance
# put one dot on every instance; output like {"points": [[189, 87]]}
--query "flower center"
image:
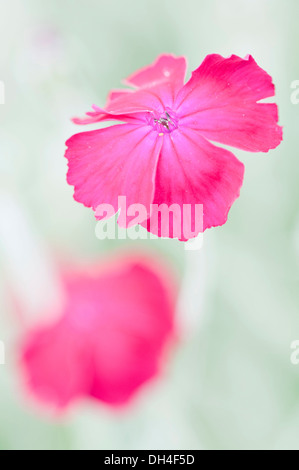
{"points": [[165, 122]]}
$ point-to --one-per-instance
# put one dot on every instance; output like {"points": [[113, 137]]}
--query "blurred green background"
{"points": [[230, 383]]}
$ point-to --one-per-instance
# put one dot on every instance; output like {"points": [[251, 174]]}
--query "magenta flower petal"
{"points": [[166, 66], [100, 115], [156, 88], [114, 94], [103, 164], [113, 335], [167, 71], [141, 100], [221, 99], [190, 170]]}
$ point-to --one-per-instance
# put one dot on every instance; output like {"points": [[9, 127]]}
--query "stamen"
{"points": [[167, 122]]}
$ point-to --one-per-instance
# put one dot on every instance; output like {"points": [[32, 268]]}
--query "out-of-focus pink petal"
{"points": [[193, 171], [57, 364], [221, 102], [137, 324], [114, 335], [118, 160]]}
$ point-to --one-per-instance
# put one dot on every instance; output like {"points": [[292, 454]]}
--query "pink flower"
{"points": [[112, 336], [161, 152]]}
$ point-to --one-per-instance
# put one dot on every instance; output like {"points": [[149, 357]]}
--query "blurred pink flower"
{"points": [[161, 153], [112, 337]]}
